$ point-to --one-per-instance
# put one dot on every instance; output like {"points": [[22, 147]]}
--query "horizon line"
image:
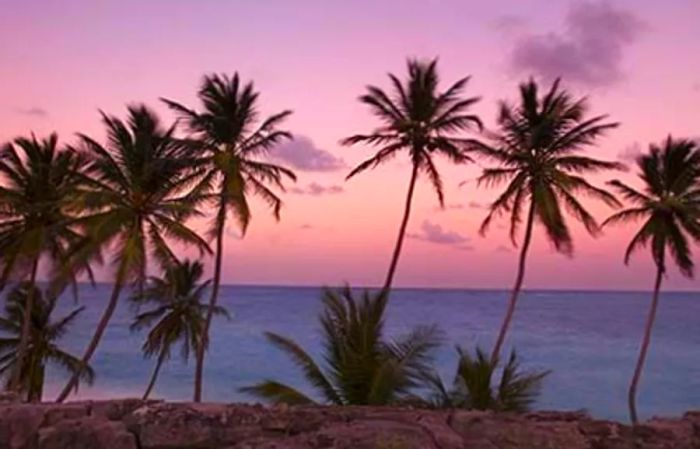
{"points": [[483, 289]]}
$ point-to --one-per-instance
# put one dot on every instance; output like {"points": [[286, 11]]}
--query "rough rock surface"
{"points": [[134, 424]]}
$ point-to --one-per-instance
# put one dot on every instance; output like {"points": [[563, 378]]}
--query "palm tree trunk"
{"points": [[204, 341], [16, 381], [632, 394], [402, 230], [154, 376], [37, 379], [99, 332], [516, 288]]}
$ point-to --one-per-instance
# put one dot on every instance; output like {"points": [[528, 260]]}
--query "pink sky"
{"points": [[637, 60]]}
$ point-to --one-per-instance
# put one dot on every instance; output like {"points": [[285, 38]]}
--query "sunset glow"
{"points": [[62, 61]]}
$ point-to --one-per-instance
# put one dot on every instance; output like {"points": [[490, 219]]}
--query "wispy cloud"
{"points": [[303, 154], [33, 111], [316, 189], [453, 206], [503, 249], [589, 51], [434, 233], [509, 24], [477, 205]]}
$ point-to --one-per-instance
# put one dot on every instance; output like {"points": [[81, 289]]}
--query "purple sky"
{"points": [[639, 61]]}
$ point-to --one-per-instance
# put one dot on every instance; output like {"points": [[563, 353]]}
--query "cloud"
{"points": [[302, 154], [503, 249], [590, 49], [233, 231], [629, 154], [316, 189], [434, 233], [306, 226], [696, 87], [509, 23], [33, 111], [453, 206], [476, 205]]}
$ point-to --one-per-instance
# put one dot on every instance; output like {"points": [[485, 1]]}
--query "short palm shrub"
{"points": [[362, 367]]}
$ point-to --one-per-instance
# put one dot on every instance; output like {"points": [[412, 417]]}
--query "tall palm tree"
{"points": [[42, 347], [418, 118], [537, 148], [39, 181], [176, 316], [138, 200], [363, 367], [669, 206], [233, 141]]}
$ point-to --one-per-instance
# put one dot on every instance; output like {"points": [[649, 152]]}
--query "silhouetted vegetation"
{"points": [[418, 119], [473, 386], [42, 343], [669, 207], [134, 203], [175, 314], [537, 148], [231, 141], [364, 368]]}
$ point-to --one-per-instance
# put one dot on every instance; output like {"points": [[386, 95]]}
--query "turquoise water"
{"points": [[588, 339]]}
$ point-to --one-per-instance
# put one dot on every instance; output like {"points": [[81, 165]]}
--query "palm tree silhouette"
{"points": [[42, 346], [233, 141], [176, 316], [536, 148], [40, 181], [135, 203], [421, 120], [364, 368], [669, 206]]}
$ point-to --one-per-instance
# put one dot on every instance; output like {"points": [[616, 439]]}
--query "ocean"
{"points": [[588, 339]]}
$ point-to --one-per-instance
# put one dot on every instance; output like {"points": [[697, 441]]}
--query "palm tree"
{"points": [[363, 368], [39, 182], [42, 347], [177, 315], [136, 203], [669, 206], [472, 389], [417, 118], [537, 148], [233, 139]]}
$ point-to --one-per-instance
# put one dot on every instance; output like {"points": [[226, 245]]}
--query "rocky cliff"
{"points": [[134, 424]]}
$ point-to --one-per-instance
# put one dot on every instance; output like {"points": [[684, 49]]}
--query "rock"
{"points": [[73, 410], [116, 410], [9, 397], [19, 425], [86, 433], [135, 424]]}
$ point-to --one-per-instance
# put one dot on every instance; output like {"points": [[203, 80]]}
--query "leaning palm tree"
{"points": [[176, 316], [39, 181], [234, 141], [473, 387], [138, 200], [669, 206], [363, 367], [421, 120], [537, 148], [42, 347]]}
